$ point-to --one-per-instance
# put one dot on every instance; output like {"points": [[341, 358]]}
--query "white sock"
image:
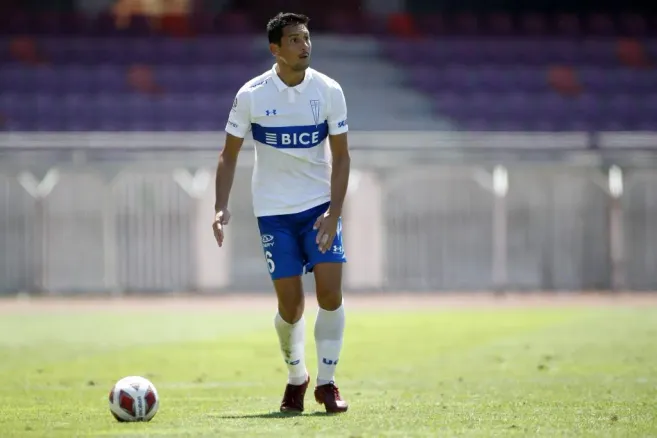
{"points": [[292, 341], [329, 331]]}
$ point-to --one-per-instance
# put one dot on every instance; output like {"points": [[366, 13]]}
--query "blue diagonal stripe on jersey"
{"points": [[290, 137]]}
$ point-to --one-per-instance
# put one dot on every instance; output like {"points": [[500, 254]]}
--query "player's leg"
{"points": [[291, 328], [330, 322], [284, 259]]}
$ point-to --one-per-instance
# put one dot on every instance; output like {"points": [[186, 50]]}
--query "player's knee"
{"points": [[329, 298], [290, 312], [291, 306], [328, 283]]}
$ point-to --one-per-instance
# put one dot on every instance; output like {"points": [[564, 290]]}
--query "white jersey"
{"points": [[290, 126]]}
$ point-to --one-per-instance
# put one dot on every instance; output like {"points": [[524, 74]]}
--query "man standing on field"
{"points": [[298, 193]]}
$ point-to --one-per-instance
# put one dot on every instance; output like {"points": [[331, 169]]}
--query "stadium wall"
{"points": [[127, 213]]}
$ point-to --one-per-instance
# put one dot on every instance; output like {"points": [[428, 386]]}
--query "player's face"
{"points": [[295, 47]]}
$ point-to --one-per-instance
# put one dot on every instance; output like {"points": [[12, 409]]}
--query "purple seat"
{"points": [[528, 51], [143, 51], [448, 104], [103, 25], [108, 79], [46, 112], [77, 109], [208, 51], [13, 79], [214, 51], [603, 80], [141, 112], [45, 80], [567, 25], [483, 104], [139, 26], [112, 112], [533, 24], [173, 52], [68, 50], [16, 106], [432, 24], [411, 55], [172, 79], [345, 24], [5, 55], [209, 111], [586, 106], [466, 24], [233, 23], [633, 25], [78, 79], [205, 79], [426, 79], [620, 104], [598, 52], [17, 23], [649, 105], [600, 24], [499, 24], [593, 79]]}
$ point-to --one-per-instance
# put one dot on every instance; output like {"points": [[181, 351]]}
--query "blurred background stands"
{"points": [[146, 65]]}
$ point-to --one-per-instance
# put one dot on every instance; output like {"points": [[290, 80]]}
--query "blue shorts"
{"points": [[288, 241]]}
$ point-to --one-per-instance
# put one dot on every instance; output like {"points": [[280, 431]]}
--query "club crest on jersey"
{"points": [[314, 107]]}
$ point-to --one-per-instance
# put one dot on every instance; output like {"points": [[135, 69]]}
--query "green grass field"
{"points": [[480, 372]]}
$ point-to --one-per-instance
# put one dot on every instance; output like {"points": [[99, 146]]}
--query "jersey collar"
{"points": [[282, 86]]}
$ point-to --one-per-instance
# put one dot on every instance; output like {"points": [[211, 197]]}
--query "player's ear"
{"points": [[274, 49]]}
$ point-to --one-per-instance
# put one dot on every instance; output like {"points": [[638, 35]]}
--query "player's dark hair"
{"points": [[281, 21]]}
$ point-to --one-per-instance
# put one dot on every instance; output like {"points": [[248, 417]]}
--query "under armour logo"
{"points": [[270, 112]]}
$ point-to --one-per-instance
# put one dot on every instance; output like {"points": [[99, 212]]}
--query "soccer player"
{"points": [[298, 194]]}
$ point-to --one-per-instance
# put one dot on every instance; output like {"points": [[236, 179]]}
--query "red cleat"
{"points": [[329, 396], [293, 397]]}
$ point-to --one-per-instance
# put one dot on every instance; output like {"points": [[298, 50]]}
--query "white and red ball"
{"points": [[134, 398]]}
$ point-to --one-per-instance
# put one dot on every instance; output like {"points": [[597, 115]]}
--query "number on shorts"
{"points": [[270, 262]]}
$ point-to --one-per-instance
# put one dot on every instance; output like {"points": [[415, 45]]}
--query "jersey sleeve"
{"points": [[337, 118], [239, 118]]}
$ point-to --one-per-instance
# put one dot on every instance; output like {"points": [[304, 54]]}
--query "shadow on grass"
{"points": [[273, 415]]}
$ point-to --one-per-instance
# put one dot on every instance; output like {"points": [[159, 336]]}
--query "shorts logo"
{"points": [[267, 240]]}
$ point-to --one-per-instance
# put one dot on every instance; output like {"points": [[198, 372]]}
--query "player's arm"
{"points": [[238, 125], [337, 122], [339, 144], [226, 171]]}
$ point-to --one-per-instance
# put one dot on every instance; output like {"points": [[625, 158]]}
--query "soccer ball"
{"points": [[134, 398]]}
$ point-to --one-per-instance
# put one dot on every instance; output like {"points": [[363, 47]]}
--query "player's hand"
{"points": [[327, 226], [221, 218]]}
